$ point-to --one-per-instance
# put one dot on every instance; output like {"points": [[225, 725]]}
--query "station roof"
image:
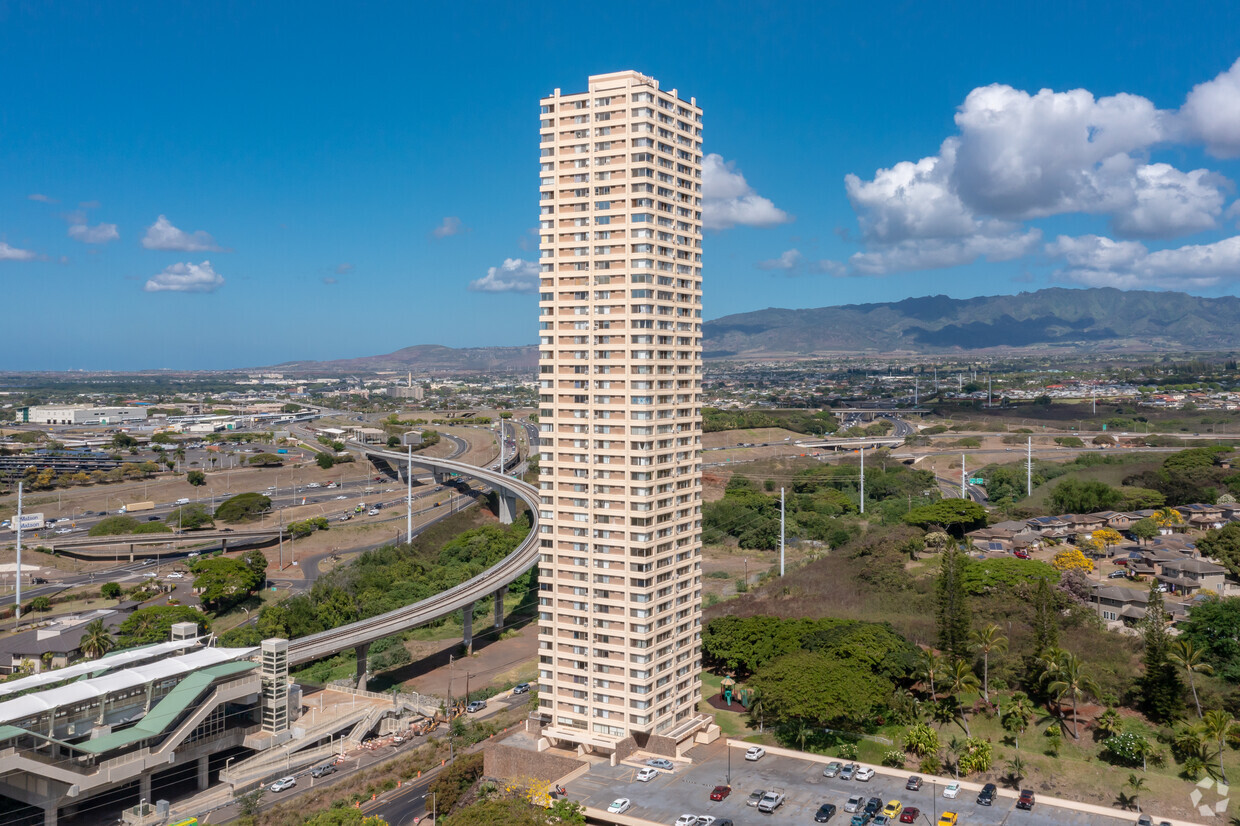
{"points": [[116, 659], [36, 703]]}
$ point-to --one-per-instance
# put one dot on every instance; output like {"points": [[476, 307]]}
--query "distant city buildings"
{"points": [[77, 414], [620, 383]]}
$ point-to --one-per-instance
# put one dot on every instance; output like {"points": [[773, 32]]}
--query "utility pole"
{"points": [[409, 498], [990, 394], [781, 531], [914, 391], [964, 489], [863, 480], [18, 604], [1029, 468], [281, 540]]}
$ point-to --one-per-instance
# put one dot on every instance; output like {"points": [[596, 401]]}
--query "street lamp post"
{"points": [[431, 795]]}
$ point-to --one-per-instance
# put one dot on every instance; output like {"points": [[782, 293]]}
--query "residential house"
{"points": [[1202, 517], [58, 643], [1049, 526], [1114, 520], [1187, 577], [1082, 526]]}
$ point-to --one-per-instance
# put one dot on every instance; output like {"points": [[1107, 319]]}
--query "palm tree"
{"points": [[755, 707], [955, 747], [1137, 784], [986, 640], [1016, 768], [1109, 723], [1070, 678], [929, 668], [97, 641], [1016, 717], [1219, 726], [1193, 660], [803, 733], [962, 679]]}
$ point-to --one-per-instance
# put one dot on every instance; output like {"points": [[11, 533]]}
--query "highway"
{"points": [[512, 567]]}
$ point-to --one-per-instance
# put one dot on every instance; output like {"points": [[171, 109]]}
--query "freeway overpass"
{"points": [[853, 443], [494, 581]]}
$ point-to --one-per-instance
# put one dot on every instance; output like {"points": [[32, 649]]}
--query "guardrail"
{"points": [[506, 571]]}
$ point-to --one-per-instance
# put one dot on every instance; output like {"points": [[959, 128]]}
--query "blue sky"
{"points": [[207, 185]]}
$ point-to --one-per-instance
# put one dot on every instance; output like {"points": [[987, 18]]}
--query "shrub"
{"points": [[241, 507], [893, 758], [848, 751]]}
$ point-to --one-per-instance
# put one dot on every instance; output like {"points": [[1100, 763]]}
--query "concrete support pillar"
{"points": [[49, 815], [499, 607], [131, 552], [441, 476], [204, 772], [467, 619], [362, 651], [144, 788], [224, 545], [507, 506]]}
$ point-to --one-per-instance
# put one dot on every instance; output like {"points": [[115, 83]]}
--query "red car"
{"points": [[1021, 554], [909, 815], [720, 792]]}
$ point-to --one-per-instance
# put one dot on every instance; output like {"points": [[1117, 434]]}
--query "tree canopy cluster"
{"points": [[242, 507], [799, 421], [223, 581]]}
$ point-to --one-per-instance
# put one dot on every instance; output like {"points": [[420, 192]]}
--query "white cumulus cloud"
{"points": [[939, 253], [1211, 113], [450, 225], [41, 198], [787, 260], [1097, 261], [99, 234], [162, 235], [186, 278], [515, 275], [728, 200], [8, 253]]}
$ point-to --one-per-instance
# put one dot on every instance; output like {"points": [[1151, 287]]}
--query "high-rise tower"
{"points": [[620, 369]]}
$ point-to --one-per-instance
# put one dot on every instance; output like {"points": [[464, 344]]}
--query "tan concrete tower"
{"points": [[620, 332]]}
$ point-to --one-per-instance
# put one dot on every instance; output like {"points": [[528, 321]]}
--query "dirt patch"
{"points": [[494, 662]]}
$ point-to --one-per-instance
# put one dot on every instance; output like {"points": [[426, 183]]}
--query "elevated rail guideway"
{"points": [[493, 581]]}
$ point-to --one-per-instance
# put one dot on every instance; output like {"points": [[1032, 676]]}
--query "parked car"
{"points": [[755, 796], [521, 688], [1117, 575], [323, 770], [948, 819], [873, 805], [864, 774], [860, 819], [951, 790], [832, 769], [660, 763], [619, 806], [1021, 553], [476, 706], [176, 575], [910, 814], [848, 771], [647, 774], [1026, 799], [987, 795], [720, 792], [282, 784], [825, 812], [880, 820], [855, 803], [754, 753], [893, 808], [913, 784]]}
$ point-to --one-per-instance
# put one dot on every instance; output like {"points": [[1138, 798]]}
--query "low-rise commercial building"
{"points": [[81, 414]]}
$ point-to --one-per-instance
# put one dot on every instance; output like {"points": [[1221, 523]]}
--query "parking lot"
{"points": [[687, 789]]}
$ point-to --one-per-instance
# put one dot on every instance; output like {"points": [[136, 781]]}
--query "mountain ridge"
{"points": [[1051, 319]]}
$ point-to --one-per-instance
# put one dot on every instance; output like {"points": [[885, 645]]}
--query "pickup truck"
{"points": [[770, 801]]}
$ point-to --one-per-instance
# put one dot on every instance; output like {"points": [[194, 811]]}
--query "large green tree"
{"points": [[1223, 546], [956, 516], [1162, 692], [812, 686], [151, 625], [222, 582], [954, 618], [1083, 496], [242, 507], [1213, 626], [190, 517]]}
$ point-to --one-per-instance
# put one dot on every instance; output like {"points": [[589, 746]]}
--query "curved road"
{"points": [[485, 584]]}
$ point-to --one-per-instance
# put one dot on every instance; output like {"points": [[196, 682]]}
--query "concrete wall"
{"points": [[511, 763]]}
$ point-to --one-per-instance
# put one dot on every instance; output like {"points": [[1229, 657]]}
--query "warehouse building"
{"points": [[81, 414]]}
